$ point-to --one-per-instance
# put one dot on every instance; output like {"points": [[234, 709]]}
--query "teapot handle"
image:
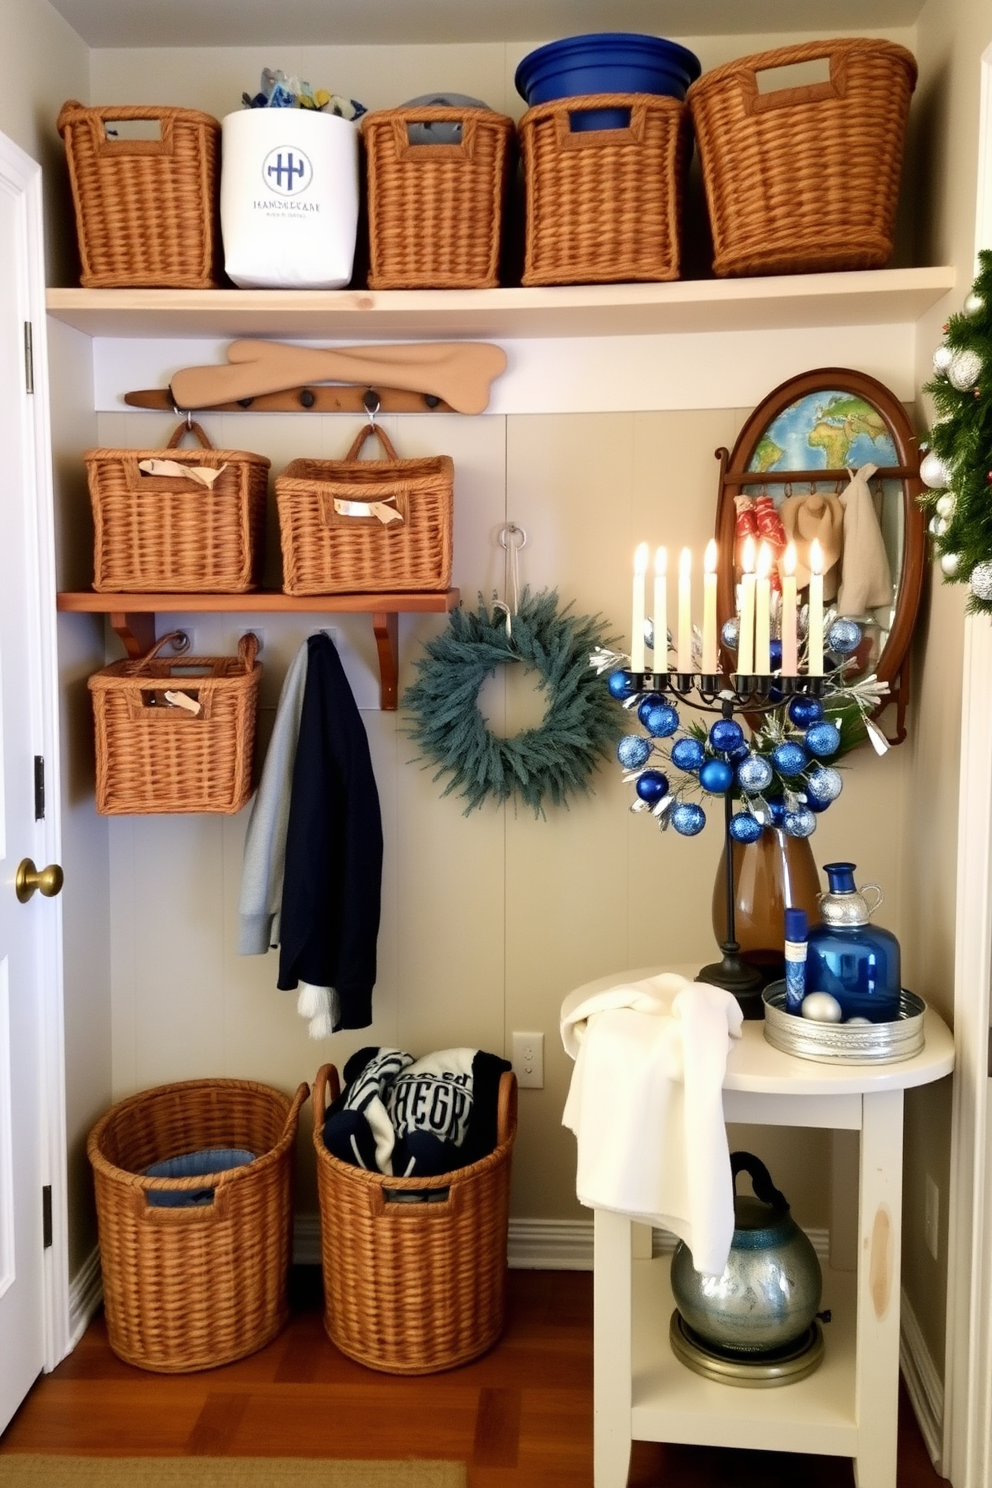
{"points": [[863, 891], [761, 1181]]}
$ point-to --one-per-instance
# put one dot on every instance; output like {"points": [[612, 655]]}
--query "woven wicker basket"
{"points": [[147, 210], [804, 179], [332, 542], [191, 1288], [153, 756], [414, 1288], [603, 205], [436, 211], [171, 534]]}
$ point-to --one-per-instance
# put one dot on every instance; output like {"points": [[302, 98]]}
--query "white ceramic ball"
{"points": [[949, 564], [821, 1008], [860, 1021]]}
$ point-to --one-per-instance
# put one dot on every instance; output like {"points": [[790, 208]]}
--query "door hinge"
{"points": [[39, 788], [28, 356], [46, 1216]]}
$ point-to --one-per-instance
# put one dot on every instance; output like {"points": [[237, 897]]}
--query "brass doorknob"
{"points": [[49, 880]]}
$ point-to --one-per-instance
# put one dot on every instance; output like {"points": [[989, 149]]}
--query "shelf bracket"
{"points": [[386, 625], [136, 629]]}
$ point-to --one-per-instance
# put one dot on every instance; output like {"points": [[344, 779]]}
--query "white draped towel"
{"points": [[646, 1106]]}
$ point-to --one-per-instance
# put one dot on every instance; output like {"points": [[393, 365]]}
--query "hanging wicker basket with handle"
{"points": [[177, 733], [147, 210], [356, 526], [197, 528], [192, 1286], [414, 1287], [806, 178]]}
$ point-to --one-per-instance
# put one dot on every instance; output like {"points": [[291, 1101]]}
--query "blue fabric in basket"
{"points": [[191, 1165]]}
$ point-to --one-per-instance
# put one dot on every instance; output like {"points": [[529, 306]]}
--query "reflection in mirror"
{"points": [[830, 457]]}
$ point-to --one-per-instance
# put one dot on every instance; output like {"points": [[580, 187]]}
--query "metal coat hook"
{"points": [[512, 539], [372, 404], [186, 413]]}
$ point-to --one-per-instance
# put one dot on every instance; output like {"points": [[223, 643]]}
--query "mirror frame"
{"points": [[893, 666]]}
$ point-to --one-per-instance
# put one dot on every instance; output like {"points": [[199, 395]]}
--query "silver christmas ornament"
{"points": [[949, 564], [974, 304], [964, 370], [934, 472], [981, 581], [937, 526], [945, 505], [942, 357]]}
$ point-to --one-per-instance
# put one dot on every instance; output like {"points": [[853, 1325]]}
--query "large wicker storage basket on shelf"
{"points": [[603, 205], [356, 526], [193, 1287], [804, 179], [436, 210], [159, 753], [177, 533], [413, 1288], [147, 210]]}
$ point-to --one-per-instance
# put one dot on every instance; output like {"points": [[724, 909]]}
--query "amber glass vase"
{"points": [[774, 873]]}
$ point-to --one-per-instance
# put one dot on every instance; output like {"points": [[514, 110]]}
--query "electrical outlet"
{"points": [[931, 1218], [528, 1060]]}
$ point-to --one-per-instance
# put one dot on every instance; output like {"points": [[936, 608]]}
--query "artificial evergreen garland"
{"points": [[549, 763], [958, 465]]}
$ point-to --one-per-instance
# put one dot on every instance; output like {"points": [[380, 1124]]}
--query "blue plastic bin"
{"points": [[606, 62]]}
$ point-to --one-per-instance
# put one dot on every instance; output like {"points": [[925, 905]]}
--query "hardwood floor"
{"points": [[521, 1417]]}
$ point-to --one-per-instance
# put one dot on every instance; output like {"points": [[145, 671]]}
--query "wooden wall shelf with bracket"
{"points": [[132, 616]]}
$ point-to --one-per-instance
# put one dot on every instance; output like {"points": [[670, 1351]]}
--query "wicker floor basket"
{"points": [[147, 210], [193, 1287], [174, 533], [156, 753], [436, 211], [804, 179], [603, 205], [413, 1288], [333, 541]]}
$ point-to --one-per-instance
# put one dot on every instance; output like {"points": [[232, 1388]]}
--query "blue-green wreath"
{"points": [[550, 763]]}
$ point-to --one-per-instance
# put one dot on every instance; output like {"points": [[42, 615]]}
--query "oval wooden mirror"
{"points": [[792, 469]]}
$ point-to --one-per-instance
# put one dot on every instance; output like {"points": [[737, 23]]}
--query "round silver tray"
{"points": [[844, 1043], [783, 1367]]}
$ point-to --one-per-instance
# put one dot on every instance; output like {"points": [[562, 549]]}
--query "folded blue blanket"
{"points": [[193, 1165]]}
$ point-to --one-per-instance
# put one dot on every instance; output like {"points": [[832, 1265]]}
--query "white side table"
{"points": [[848, 1407]]}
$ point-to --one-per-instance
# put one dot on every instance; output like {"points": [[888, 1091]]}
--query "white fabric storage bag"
{"points": [[288, 198]]}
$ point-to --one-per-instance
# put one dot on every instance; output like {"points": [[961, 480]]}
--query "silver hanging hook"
{"points": [[511, 574], [512, 530], [186, 413], [372, 405]]}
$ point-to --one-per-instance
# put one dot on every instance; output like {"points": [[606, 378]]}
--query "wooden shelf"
{"points": [[132, 616], [875, 297]]}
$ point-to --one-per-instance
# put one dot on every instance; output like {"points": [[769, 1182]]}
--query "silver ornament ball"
{"points": [[942, 357], [981, 581], [945, 505], [938, 526], [974, 304], [934, 472], [965, 369], [949, 564]]}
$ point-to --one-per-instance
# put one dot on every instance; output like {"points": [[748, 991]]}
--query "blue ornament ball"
{"points": [[652, 787], [633, 751], [844, 636], [823, 785], [744, 827], [790, 758], [661, 720], [817, 806], [731, 633], [726, 735], [716, 776], [823, 739], [688, 755], [801, 823], [776, 808], [621, 686], [653, 700], [736, 755], [754, 774], [775, 654], [805, 710], [688, 819]]}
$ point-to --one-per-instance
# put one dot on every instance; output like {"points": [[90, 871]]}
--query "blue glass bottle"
{"points": [[853, 960]]}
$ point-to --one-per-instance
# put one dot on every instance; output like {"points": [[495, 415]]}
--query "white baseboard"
{"points": [[924, 1385], [85, 1296]]}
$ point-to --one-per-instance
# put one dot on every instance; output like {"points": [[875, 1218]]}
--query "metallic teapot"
{"points": [[770, 1290]]}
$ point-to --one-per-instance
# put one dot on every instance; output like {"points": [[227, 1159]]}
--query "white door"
{"points": [[30, 1110]]}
